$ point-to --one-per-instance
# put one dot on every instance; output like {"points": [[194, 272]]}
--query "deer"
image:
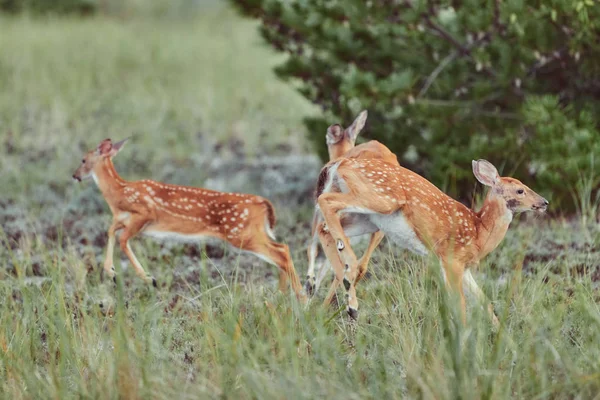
{"points": [[341, 143], [162, 211], [417, 216]]}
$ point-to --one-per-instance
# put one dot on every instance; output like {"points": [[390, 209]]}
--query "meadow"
{"points": [[203, 107]]}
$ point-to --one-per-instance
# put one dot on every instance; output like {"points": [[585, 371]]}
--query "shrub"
{"points": [[511, 81]]}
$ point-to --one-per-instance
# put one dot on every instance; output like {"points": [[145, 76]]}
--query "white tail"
{"points": [[416, 215], [170, 211], [341, 142]]}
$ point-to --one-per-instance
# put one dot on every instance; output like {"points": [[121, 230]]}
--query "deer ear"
{"points": [[334, 134], [118, 146], [485, 172], [359, 123], [104, 147]]}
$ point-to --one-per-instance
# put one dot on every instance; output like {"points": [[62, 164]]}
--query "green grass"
{"points": [[213, 340], [218, 328]]}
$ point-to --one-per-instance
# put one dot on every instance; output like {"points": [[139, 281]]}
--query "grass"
{"points": [[198, 90]]}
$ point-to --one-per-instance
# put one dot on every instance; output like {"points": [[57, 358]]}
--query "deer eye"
{"points": [[520, 191], [83, 161]]}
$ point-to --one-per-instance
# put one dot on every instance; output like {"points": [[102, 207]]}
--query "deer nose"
{"points": [[545, 201], [76, 178]]}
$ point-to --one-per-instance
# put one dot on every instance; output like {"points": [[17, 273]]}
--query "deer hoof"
{"points": [[346, 283], [309, 287], [154, 282], [353, 313]]}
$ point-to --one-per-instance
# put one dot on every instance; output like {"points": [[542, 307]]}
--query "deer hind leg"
{"points": [[132, 229], [313, 255], [333, 257], [109, 268], [481, 297], [279, 255]]}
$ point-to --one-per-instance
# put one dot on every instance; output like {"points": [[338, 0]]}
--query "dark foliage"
{"points": [[511, 81]]}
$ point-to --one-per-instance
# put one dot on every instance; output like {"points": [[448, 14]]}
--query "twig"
{"points": [[447, 60], [468, 104], [462, 49]]}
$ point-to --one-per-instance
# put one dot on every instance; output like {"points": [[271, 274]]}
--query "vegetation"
{"points": [[199, 96], [510, 81]]}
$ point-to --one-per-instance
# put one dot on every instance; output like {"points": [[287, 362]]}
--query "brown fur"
{"points": [[162, 209], [340, 142], [459, 236]]}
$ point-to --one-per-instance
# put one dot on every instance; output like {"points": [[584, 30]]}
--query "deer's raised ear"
{"points": [[359, 123], [104, 147], [117, 147], [334, 134], [485, 172]]}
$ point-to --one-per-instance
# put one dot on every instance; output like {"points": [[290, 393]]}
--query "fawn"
{"points": [[416, 215], [341, 143], [163, 210]]}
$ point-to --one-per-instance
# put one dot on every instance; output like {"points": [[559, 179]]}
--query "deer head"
{"points": [[340, 140], [516, 195], [106, 149]]}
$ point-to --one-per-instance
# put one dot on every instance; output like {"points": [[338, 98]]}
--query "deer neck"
{"points": [[107, 179], [337, 150], [494, 219]]}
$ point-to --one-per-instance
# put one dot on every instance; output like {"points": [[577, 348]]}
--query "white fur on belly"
{"points": [[396, 228], [176, 236]]}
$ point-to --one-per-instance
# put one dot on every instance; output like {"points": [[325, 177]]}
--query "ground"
{"points": [[203, 108]]}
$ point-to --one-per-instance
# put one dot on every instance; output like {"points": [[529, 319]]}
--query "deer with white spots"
{"points": [[416, 215], [171, 211], [341, 143]]}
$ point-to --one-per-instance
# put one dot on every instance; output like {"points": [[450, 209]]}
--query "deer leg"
{"points": [[313, 253], [364, 260], [279, 255], [132, 229], [362, 265], [109, 267], [330, 204], [328, 245], [323, 269], [331, 249], [454, 273], [481, 297], [331, 293]]}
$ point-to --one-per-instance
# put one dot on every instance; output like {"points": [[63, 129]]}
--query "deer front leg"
{"points": [[481, 297], [364, 260], [362, 265], [109, 267], [132, 229], [454, 273]]}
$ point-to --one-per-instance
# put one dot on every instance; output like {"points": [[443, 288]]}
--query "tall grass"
{"points": [[56, 341]]}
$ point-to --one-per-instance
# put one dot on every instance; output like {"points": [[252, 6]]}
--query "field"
{"points": [[203, 107]]}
